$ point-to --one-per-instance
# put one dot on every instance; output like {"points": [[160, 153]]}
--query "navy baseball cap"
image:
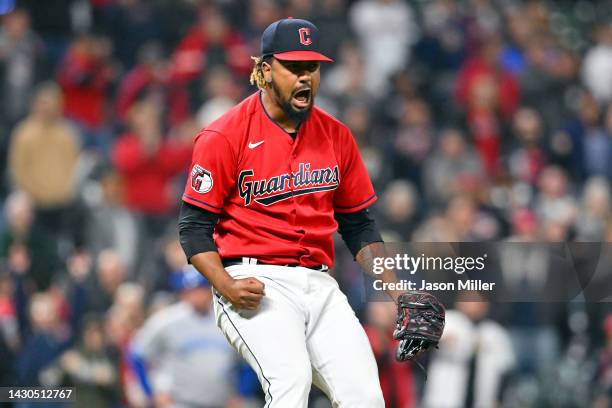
{"points": [[188, 278], [292, 39]]}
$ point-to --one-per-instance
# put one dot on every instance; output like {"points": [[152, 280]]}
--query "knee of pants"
{"points": [[298, 378], [290, 388], [364, 397]]}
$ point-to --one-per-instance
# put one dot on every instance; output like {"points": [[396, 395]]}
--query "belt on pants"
{"points": [[254, 261]]}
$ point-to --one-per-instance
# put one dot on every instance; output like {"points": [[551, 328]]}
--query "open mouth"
{"points": [[301, 98]]}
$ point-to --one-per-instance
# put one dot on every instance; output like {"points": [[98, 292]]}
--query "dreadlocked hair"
{"points": [[257, 76]]}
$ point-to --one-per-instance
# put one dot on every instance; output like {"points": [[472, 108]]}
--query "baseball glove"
{"points": [[420, 323]]}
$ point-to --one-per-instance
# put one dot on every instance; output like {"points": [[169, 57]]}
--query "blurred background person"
{"points": [[22, 234], [22, 63], [597, 66], [386, 29], [148, 161], [221, 95], [180, 356], [109, 274], [85, 76], [474, 361], [50, 337], [9, 329], [212, 41], [22, 66], [452, 160], [110, 224], [149, 79], [130, 24], [400, 211], [120, 328], [594, 213], [50, 321], [526, 160], [43, 158], [91, 367], [554, 202], [396, 379]]}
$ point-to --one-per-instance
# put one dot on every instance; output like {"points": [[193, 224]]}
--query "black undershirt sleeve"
{"points": [[357, 229], [196, 227]]}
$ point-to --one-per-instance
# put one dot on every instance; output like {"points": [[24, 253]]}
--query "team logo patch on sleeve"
{"points": [[201, 179]]}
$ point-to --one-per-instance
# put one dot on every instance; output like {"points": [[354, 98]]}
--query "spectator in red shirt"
{"points": [[148, 162], [527, 158], [489, 95], [85, 76], [150, 79], [211, 42], [9, 329], [486, 64], [396, 379]]}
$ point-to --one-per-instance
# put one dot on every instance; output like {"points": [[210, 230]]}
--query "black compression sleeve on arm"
{"points": [[357, 229], [196, 227]]}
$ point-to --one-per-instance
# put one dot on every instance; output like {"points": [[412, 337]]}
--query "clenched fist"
{"points": [[245, 293]]}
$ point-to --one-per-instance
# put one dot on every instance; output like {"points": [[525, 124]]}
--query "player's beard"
{"points": [[295, 115]]}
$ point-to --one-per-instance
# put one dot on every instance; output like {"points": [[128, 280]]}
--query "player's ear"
{"points": [[266, 68]]}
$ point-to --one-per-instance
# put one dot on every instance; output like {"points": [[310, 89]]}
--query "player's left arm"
{"points": [[420, 318]]}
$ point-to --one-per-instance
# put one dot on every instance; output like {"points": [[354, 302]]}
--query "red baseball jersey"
{"points": [[276, 195]]}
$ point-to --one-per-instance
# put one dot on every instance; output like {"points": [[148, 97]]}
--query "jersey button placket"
{"points": [[294, 169]]}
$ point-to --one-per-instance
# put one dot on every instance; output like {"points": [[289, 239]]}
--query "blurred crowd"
{"points": [[478, 120]]}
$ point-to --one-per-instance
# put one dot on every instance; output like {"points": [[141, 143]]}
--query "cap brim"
{"points": [[302, 56]]}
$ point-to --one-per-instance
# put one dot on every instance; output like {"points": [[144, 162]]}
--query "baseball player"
{"points": [[270, 182], [192, 363]]}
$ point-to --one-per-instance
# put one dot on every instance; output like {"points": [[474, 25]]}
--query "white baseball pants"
{"points": [[303, 332]]}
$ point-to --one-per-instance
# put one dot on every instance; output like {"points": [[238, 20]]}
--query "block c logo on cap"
{"points": [[305, 38]]}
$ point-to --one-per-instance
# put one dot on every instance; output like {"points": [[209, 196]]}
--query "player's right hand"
{"points": [[245, 293]]}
